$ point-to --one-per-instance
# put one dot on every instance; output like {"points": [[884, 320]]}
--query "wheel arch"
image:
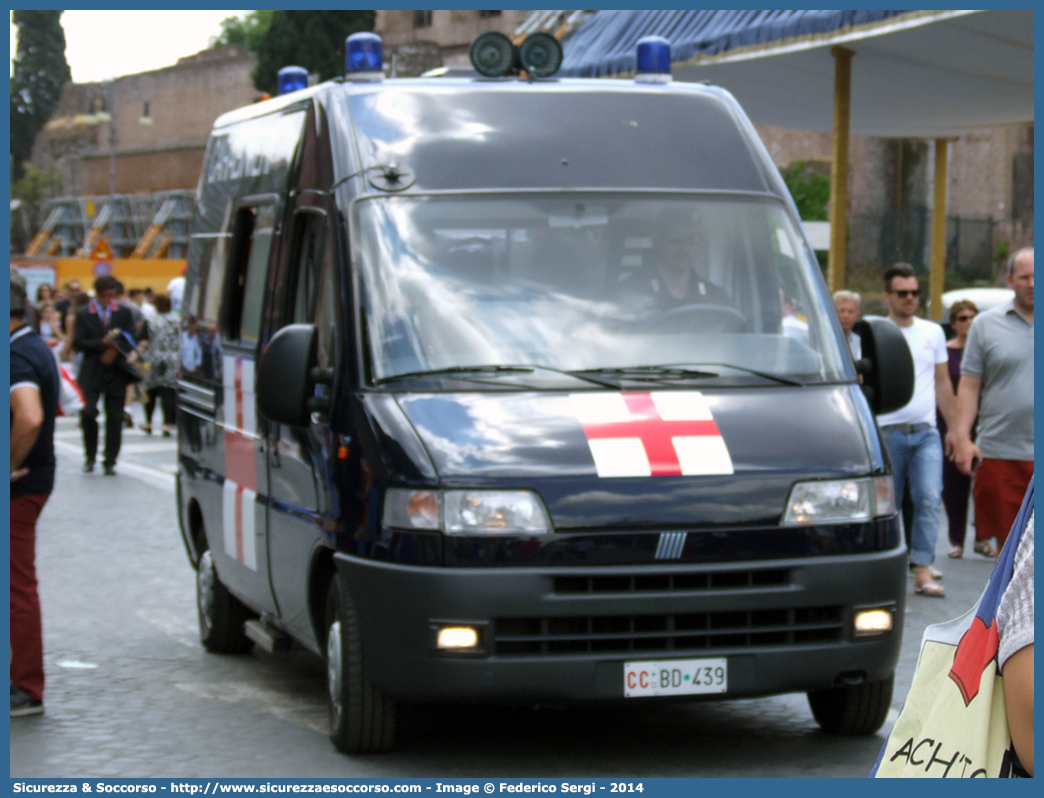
{"points": [[320, 575], [196, 537]]}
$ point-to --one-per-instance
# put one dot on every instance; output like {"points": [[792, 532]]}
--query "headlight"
{"points": [[840, 501], [467, 512]]}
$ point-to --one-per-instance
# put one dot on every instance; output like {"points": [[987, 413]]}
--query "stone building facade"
{"points": [[444, 35], [989, 193], [160, 123]]}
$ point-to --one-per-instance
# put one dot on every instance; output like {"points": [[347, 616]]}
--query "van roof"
{"points": [[459, 134]]}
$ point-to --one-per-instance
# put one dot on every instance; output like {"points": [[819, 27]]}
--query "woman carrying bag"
{"points": [[162, 359]]}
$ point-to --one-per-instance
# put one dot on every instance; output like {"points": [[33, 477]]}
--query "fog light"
{"points": [[873, 622], [457, 637]]}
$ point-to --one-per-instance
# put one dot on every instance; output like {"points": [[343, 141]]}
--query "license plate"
{"points": [[676, 677]]}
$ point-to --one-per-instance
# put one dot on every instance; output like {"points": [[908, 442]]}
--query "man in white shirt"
{"points": [[910, 433], [176, 289]]}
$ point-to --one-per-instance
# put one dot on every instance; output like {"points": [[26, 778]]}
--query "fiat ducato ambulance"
{"points": [[521, 389]]}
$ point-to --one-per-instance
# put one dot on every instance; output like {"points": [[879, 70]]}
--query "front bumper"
{"points": [[563, 634]]}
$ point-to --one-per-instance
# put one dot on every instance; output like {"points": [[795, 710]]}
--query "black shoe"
{"points": [[23, 704], [88, 467], [128, 420], [110, 470]]}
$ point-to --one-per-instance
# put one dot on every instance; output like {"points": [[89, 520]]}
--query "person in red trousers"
{"points": [[34, 405]]}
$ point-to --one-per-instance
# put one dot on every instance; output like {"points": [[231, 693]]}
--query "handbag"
{"points": [[70, 397], [954, 723]]}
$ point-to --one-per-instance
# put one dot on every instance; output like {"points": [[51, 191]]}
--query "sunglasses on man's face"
{"points": [[906, 294], [964, 318]]}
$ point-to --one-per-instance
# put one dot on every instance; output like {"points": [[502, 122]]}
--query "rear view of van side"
{"points": [[518, 389]]}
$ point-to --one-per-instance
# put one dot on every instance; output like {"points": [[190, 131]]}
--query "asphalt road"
{"points": [[130, 692]]}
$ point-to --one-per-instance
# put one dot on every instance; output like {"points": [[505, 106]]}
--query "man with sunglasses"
{"points": [[913, 441], [997, 385]]}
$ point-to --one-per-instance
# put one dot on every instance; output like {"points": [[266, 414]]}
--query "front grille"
{"points": [[666, 583], [697, 631]]}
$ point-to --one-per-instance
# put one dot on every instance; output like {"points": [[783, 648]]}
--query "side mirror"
{"points": [[889, 382], [285, 379]]}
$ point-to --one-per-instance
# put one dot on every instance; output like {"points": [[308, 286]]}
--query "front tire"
{"points": [[221, 615], [362, 720], [858, 709]]}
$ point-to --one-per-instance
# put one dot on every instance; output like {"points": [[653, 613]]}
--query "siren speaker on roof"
{"points": [[492, 54], [540, 55]]}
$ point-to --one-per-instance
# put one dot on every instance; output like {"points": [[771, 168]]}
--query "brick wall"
{"points": [[182, 101], [984, 167], [451, 31], [447, 29], [142, 172]]}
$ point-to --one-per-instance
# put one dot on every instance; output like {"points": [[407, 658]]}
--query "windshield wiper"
{"points": [[763, 374], [681, 372], [492, 369], [650, 373], [451, 370]]}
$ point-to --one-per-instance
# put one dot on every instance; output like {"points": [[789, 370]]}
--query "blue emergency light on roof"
{"points": [[292, 78], [653, 60], [364, 56]]}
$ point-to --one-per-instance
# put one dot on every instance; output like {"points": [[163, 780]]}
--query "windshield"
{"points": [[590, 284]]}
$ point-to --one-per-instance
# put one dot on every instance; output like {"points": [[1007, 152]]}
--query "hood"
{"points": [[636, 460]]}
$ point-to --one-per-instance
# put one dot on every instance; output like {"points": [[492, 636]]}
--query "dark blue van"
{"points": [[517, 389]]}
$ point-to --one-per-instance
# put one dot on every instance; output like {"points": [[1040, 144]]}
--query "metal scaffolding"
{"points": [[124, 219]]}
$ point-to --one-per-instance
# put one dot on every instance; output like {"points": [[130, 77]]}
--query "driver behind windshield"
{"points": [[677, 248]]}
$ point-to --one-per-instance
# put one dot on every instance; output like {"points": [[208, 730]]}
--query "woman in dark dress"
{"points": [[957, 486]]}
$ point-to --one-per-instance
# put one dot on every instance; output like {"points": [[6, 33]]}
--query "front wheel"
{"points": [[221, 615], [362, 720], [853, 710]]}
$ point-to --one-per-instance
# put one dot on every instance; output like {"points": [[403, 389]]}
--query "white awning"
{"points": [[918, 74], [938, 77]]}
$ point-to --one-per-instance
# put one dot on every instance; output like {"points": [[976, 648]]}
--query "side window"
{"points": [[195, 290], [326, 309], [252, 232], [307, 255], [212, 281]]}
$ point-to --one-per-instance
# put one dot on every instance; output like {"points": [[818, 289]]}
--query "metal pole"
{"points": [[838, 260], [112, 140], [938, 256]]}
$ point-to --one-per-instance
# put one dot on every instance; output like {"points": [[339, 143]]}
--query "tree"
{"points": [[310, 39], [31, 191], [810, 190], [40, 69], [246, 31]]}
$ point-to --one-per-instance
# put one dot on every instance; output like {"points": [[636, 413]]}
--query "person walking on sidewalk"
{"points": [[957, 486], [104, 371], [913, 442], [34, 405], [997, 385], [161, 355]]}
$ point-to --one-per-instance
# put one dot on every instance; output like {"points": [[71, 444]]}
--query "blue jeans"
{"points": [[918, 456]]}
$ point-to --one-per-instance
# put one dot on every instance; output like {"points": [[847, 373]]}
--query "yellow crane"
{"points": [[95, 233], [41, 238], [153, 230]]}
